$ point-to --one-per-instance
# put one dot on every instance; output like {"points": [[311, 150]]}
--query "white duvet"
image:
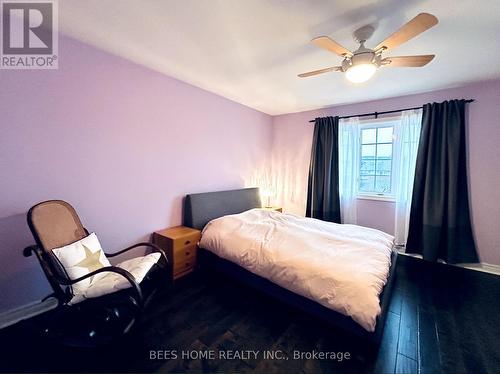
{"points": [[343, 267]]}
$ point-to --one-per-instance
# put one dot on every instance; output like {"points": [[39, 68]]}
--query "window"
{"points": [[375, 169]]}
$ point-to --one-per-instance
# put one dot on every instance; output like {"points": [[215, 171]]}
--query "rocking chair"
{"points": [[93, 320]]}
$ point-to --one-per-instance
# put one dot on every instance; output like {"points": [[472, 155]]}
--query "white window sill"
{"points": [[391, 199]]}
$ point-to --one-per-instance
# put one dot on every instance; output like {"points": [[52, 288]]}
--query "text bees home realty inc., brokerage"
{"points": [[29, 37]]}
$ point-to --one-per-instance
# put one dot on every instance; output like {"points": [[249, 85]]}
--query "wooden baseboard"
{"points": [[484, 267], [15, 315], [487, 268]]}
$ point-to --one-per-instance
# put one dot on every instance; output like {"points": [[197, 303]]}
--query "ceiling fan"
{"points": [[360, 65]]}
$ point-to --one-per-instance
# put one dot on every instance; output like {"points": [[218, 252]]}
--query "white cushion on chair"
{"points": [[86, 255], [113, 282]]}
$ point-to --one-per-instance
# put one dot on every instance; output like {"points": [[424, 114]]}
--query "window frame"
{"points": [[375, 124]]}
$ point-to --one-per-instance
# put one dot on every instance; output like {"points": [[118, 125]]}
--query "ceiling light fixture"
{"points": [[360, 73], [361, 64]]}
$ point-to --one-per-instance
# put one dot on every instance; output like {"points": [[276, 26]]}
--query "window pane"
{"points": [[384, 135], [367, 166], [383, 184], [384, 150], [368, 136], [384, 165], [368, 151], [375, 167], [366, 183]]}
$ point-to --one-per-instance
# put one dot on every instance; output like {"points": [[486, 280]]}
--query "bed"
{"points": [[233, 224]]}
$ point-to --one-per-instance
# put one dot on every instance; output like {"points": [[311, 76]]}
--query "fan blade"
{"points": [[321, 71], [326, 43], [407, 61], [417, 25]]}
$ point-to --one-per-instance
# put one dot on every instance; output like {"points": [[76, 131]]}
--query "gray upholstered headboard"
{"points": [[200, 208]]}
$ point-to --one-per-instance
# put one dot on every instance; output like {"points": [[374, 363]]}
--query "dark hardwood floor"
{"points": [[442, 319]]}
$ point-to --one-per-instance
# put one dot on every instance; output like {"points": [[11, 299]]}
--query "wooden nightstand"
{"points": [[273, 208], [180, 245]]}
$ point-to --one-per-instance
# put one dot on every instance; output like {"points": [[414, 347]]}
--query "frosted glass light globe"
{"points": [[360, 73]]}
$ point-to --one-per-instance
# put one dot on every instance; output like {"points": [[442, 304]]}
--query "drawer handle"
{"points": [[187, 264], [188, 253], [187, 242]]}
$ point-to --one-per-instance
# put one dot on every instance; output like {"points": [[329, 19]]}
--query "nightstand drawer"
{"points": [[187, 241], [184, 265], [184, 253]]}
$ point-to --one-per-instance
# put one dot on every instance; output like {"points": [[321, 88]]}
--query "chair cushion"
{"points": [[80, 258], [113, 282]]}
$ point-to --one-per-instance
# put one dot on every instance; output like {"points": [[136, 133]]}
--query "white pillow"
{"points": [[80, 258]]}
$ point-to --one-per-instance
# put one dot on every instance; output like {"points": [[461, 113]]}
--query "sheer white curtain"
{"points": [[348, 168], [406, 139]]}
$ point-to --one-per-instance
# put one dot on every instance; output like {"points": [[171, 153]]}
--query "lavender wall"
{"points": [[122, 143], [292, 144]]}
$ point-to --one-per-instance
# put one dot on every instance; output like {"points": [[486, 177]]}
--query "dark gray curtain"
{"points": [[323, 200], [440, 226]]}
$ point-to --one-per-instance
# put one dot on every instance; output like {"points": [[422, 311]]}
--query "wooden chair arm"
{"points": [[143, 244], [111, 269], [28, 251]]}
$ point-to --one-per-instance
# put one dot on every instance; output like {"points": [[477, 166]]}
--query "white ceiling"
{"points": [[251, 51]]}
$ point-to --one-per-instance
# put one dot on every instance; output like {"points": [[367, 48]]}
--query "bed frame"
{"points": [[201, 208]]}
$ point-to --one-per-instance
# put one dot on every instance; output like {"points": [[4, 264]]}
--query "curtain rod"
{"points": [[376, 114]]}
